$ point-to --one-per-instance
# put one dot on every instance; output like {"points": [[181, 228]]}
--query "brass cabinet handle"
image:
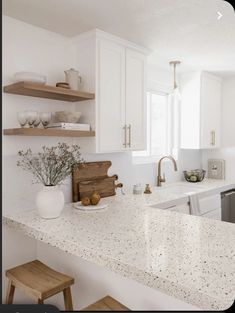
{"points": [[125, 144], [213, 138], [129, 128]]}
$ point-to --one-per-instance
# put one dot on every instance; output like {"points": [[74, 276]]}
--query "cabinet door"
{"points": [[110, 96], [184, 208], [215, 214], [200, 111], [135, 100], [210, 111]]}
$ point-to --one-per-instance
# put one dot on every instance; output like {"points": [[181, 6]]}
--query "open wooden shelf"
{"points": [[46, 91], [47, 132]]}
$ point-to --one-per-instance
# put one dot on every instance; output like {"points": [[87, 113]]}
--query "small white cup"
{"points": [[137, 189]]}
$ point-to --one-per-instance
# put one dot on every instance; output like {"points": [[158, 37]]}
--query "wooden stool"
{"points": [[106, 304], [39, 282]]}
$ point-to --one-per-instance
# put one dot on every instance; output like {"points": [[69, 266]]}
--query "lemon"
{"points": [[193, 178]]}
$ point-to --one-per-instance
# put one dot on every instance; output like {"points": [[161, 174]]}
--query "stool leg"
{"points": [[68, 299], [10, 293]]}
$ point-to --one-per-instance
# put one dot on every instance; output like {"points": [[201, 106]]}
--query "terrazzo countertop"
{"points": [[188, 257]]}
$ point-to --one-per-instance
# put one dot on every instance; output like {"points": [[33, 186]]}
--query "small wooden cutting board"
{"points": [[92, 176]]}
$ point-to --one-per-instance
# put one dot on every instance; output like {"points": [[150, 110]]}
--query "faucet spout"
{"points": [[161, 179]]}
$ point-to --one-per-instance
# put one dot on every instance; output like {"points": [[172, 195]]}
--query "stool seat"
{"points": [[39, 282], [106, 304], [38, 279]]}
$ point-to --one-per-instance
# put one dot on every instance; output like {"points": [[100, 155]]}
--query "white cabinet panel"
{"points": [[111, 96], [210, 111], [135, 100], [210, 203], [121, 98], [215, 214], [200, 111]]}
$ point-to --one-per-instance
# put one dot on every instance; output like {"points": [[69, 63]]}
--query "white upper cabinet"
{"points": [[200, 111], [116, 68], [135, 100], [121, 98], [210, 111], [110, 96]]}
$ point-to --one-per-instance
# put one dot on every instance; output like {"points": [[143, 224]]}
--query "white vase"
{"points": [[50, 201]]}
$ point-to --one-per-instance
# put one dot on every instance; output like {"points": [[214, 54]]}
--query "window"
{"points": [[158, 126]]}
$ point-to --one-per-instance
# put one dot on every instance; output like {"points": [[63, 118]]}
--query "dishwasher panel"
{"points": [[228, 206]]}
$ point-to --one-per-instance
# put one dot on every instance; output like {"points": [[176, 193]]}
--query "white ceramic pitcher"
{"points": [[73, 79]]}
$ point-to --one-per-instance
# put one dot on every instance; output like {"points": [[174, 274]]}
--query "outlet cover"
{"points": [[216, 169]]}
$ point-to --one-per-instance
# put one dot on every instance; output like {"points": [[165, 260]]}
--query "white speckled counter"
{"points": [[187, 257]]}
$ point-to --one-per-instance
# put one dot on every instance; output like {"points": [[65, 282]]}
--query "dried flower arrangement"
{"points": [[51, 166]]}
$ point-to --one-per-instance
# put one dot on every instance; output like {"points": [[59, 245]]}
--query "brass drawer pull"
{"points": [[213, 138], [125, 144], [129, 128]]}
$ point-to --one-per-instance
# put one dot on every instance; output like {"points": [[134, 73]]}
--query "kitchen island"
{"points": [[187, 257]]}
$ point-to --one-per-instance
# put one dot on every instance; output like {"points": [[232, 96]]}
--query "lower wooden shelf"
{"points": [[47, 132]]}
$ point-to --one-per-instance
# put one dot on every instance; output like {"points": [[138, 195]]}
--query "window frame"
{"points": [[146, 156]]}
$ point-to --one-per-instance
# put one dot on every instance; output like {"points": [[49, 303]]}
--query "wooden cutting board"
{"points": [[105, 187], [92, 176]]}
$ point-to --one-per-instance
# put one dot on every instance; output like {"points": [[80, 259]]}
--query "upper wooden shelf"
{"points": [[47, 132], [46, 91]]}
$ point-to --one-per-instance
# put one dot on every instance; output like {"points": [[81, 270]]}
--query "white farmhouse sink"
{"points": [[185, 191], [180, 189]]}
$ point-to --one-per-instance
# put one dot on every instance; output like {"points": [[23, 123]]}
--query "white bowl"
{"points": [[67, 116], [30, 77]]}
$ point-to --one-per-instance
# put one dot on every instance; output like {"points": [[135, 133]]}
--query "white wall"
{"points": [[27, 48], [16, 250], [227, 152]]}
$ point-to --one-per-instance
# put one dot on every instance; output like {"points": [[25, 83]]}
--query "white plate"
{"points": [[30, 77], [99, 206]]}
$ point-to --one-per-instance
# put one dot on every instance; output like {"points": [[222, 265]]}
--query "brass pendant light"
{"points": [[175, 63]]}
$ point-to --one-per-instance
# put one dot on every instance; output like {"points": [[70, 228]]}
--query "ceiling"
{"points": [[188, 30]]}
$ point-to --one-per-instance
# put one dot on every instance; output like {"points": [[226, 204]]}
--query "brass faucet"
{"points": [[161, 179]]}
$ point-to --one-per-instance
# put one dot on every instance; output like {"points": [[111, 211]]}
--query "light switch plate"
{"points": [[216, 168]]}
